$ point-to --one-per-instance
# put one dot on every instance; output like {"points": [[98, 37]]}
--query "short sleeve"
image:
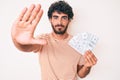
{"points": [[38, 48]]}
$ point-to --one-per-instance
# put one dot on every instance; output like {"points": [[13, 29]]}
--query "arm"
{"points": [[90, 60], [23, 29]]}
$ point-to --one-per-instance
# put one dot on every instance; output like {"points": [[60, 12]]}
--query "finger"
{"points": [[88, 61], [91, 57], [38, 17], [34, 13], [87, 64], [28, 13], [91, 54], [22, 14], [93, 61]]}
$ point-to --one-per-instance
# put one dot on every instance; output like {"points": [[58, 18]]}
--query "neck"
{"points": [[60, 36]]}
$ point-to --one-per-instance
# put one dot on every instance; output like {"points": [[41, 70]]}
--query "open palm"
{"points": [[24, 26]]}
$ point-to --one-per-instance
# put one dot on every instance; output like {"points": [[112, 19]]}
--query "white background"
{"points": [[101, 17]]}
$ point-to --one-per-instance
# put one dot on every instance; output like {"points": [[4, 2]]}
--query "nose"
{"points": [[59, 21]]}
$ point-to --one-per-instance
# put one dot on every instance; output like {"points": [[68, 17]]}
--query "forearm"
{"points": [[84, 71]]}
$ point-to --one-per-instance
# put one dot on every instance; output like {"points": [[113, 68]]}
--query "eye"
{"points": [[55, 17], [65, 17]]}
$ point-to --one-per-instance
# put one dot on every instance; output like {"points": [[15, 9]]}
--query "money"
{"points": [[83, 42]]}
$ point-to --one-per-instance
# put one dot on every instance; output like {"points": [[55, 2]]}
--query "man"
{"points": [[57, 59]]}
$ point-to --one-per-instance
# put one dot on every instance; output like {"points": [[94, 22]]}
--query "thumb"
{"points": [[39, 41]]}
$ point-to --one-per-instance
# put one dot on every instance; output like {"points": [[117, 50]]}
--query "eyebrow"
{"points": [[54, 16], [65, 16], [57, 16]]}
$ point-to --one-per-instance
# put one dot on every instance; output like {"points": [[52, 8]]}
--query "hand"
{"points": [[24, 26], [90, 59]]}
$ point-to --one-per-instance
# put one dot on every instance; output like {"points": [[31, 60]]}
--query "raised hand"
{"points": [[24, 26]]}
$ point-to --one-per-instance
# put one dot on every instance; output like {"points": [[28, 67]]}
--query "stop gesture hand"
{"points": [[24, 26]]}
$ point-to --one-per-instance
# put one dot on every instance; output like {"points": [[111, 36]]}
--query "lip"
{"points": [[58, 27]]}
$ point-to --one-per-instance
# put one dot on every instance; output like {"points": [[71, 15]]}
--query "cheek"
{"points": [[66, 24], [54, 22]]}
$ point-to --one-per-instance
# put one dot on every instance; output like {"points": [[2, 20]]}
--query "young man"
{"points": [[57, 59]]}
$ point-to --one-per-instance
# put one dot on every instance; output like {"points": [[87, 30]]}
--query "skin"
{"points": [[23, 30], [59, 22]]}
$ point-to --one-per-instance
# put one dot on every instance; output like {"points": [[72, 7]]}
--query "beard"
{"points": [[59, 31]]}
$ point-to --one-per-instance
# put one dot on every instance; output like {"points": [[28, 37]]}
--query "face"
{"points": [[59, 22]]}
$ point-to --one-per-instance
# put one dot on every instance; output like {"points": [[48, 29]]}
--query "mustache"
{"points": [[59, 25]]}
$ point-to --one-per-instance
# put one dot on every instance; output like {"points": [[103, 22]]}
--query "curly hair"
{"points": [[61, 6]]}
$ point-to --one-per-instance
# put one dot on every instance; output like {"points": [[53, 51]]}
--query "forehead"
{"points": [[58, 14]]}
